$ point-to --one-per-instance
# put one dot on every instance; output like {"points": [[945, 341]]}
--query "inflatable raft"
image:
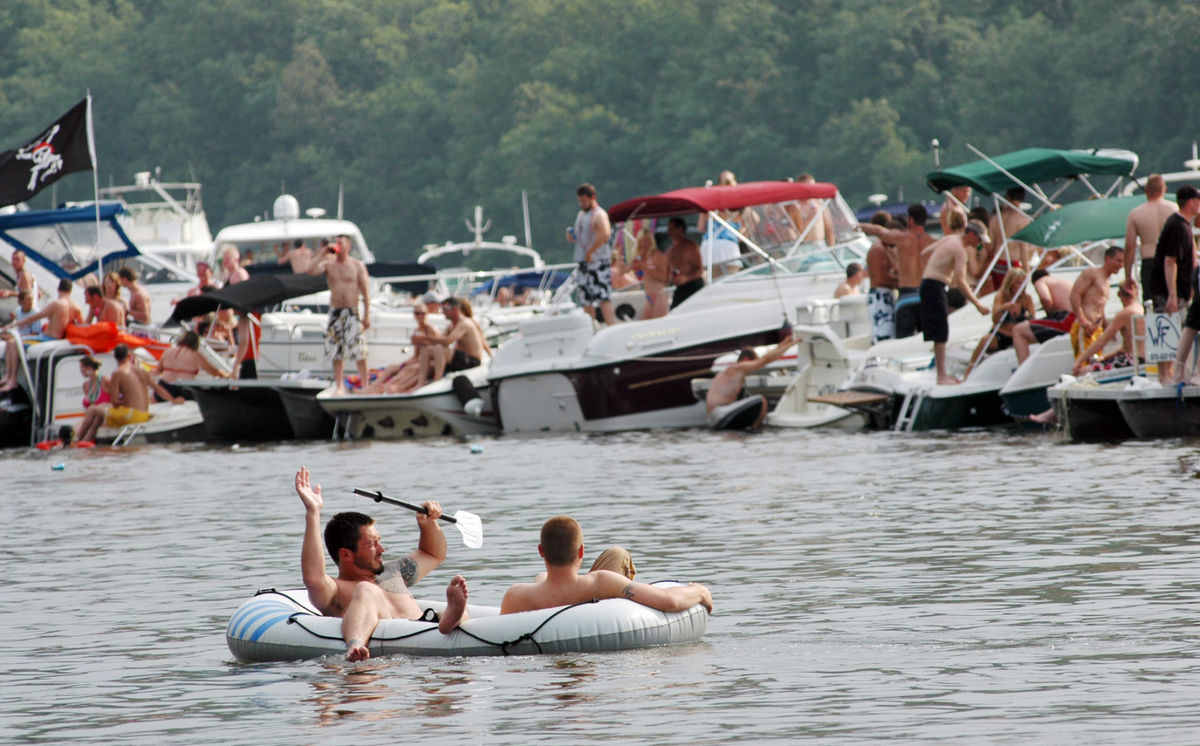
{"points": [[281, 625]]}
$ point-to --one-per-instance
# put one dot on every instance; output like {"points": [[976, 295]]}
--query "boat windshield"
{"points": [[71, 246], [801, 248]]}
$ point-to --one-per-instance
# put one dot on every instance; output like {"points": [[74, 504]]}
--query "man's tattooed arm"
{"points": [[628, 592]]}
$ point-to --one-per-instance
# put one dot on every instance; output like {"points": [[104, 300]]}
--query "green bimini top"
{"points": [[1080, 222], [1032, 166]]}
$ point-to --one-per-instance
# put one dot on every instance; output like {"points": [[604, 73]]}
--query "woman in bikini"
{"points": [[184, 362], [650, 266]]}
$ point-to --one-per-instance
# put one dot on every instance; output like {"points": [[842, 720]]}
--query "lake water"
{"points": [[974, 587]]}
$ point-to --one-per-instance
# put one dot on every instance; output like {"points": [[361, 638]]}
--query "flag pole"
{"points": [[91, 138]]}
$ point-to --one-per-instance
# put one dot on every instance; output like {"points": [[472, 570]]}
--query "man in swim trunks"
{"points": [[726, 388], [460, 347], [910, 244], [348, 284], [947, 264], [561, 548], [1054, 292], [58, 313], [129, 388], [1142, 228], [590, 234], [686, 266], [366, 590]]}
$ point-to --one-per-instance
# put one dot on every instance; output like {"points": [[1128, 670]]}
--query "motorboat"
{"points": [[561, 373], [261, 410], [1153, 411], [168, 423], [1087, 408], [441, 407], [75, 242]]}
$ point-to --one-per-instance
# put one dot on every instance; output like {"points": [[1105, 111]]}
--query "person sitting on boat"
{"points": [[231, 266], [1085, 319], [366, 589], [461, 347], [855, 274], [1131, 314], [398, 379], [561, 548], [103, 309], [686, 264], [298, 256], [725, 393], [139, 297], [58, 313], [1012, 306], [947, 265], [183, 362], [1054, 293], [129, 387], [95, 386], [24, 311], [622, 275]]}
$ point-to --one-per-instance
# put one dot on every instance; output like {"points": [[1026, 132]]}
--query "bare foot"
{"points": [[8, 386], [340, 390], [1044, 418], [947, 380], [357, 652], [456, 605]]}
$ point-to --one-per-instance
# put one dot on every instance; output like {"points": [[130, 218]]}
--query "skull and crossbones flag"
{"points": [[62, 148]]}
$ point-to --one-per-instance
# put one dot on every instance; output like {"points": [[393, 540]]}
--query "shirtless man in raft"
{"points": [[366, 590], [562, 549]]}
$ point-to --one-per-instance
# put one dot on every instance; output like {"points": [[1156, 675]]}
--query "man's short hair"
{"points": [[298, 243], [120, 352], [1113, 251], [1185, 193], [64, 285], [342, 531], [747, 353], [917, 214], [678, 222], [128, 273], [92, 290], [1156, 186], [1038, 274], [585, 190], [1016, 195], [881, 218], [852, 269], [561, 539]]}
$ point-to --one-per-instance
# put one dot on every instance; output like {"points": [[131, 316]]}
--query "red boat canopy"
{"points": [[704, 199]]}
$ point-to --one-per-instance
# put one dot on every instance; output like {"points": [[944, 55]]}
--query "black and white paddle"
{"points": [[468, 524]]}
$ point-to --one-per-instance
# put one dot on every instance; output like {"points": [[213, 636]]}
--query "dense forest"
{"points": [[424, 108]]}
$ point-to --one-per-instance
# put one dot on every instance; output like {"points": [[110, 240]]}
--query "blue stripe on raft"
{"points": [[266, 625], [251, 613]]}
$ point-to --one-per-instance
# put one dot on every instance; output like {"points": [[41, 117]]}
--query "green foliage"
{"points": [[423, 108]]}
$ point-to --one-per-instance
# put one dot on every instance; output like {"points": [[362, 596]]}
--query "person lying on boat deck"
{"points": [[686, 266], [728, 385], [397, 379], [947, 265], [1131, 314], [58, 313], [616, 558], [561, 548], [1142, 228], [129, 388], [183, 362], [366, 590], [298, 256], [139, 298], [855, 274], [460, 347], [103, 309], [348, 285], [1085, 321], [1012, 306]]}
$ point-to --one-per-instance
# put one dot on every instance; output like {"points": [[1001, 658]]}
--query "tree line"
{"points": [[421, 109]]}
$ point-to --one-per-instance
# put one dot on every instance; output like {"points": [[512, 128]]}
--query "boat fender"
{"points": [[463, 389]]}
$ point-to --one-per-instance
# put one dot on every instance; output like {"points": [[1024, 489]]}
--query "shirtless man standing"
{"points": [[910, 244], [947, 265], [881, 297], [139, 297], [460, 347], [365, 589], [298, 256], [1003, 225], [1089, 296], [1143, 227], [129, 387], [104, 309], [58, 314], [726, 386], [561, 548], [348, 284], [686, 266], [24, 279]]}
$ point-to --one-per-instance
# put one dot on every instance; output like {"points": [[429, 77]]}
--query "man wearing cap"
{"points": [[947, 265]]}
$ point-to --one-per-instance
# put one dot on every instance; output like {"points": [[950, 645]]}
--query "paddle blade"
{"points": [[471, 528]]}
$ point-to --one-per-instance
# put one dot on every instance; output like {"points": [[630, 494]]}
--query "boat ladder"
{"points": [[127, 434], [909, 409], [341, 426]]}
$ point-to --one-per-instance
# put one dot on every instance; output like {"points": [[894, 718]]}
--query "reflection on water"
{"points": [[942, 587]]}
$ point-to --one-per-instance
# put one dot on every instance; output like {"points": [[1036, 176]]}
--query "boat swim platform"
{"points": [[850, 399]]}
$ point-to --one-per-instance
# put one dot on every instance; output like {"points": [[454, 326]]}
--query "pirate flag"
{"points": [[62, 148]]}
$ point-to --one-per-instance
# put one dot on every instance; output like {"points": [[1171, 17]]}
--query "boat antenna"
{"points": [[937, 153], [525, 210], [341, 198]]}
